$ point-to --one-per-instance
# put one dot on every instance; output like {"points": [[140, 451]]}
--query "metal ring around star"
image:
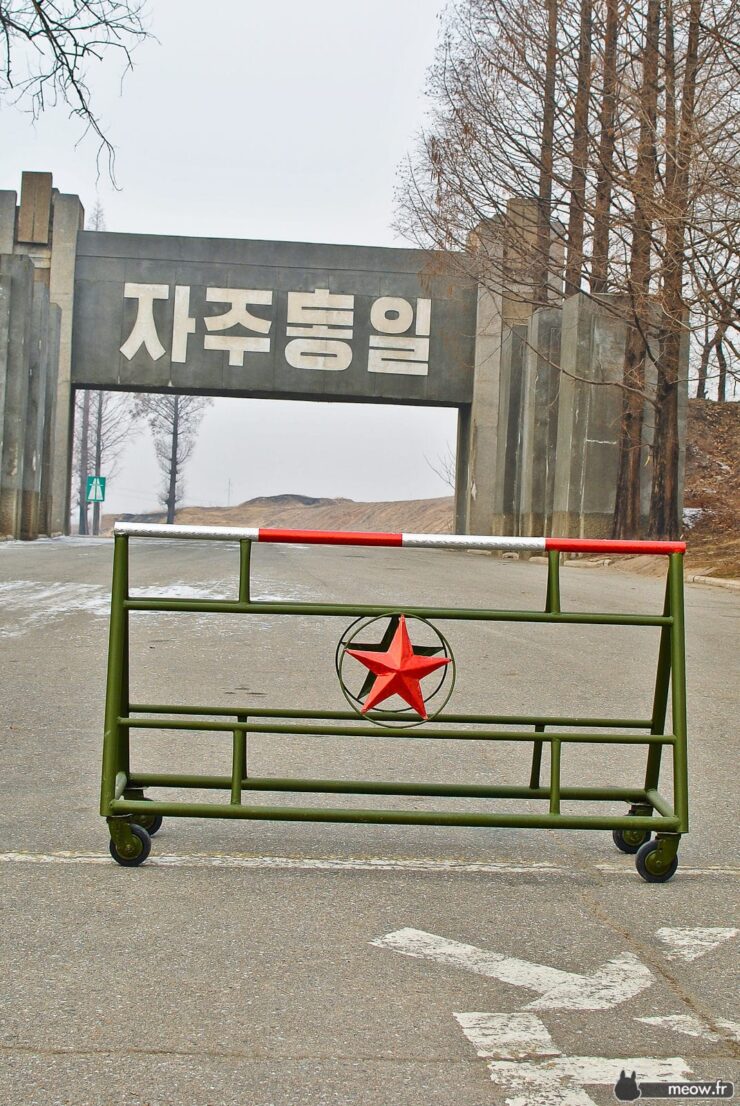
{"points": [[392, 721]]}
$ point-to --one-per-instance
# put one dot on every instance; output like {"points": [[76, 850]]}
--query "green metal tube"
{"points": [[114, 699], [660, 696], [391, 787], [225, 606], [346, 715], [239, 765], [555, 777], [393, 817], [659, 803], [534, 774], [245, 552], [415, 733], [678, 693], [553, 582]]}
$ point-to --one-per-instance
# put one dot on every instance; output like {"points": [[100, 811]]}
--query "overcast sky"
{"points": [[285, 120]]}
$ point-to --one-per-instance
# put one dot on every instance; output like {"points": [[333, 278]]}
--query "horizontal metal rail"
{"points": [[390, 817], [383, 787], [416, 733], [348, 715], [228, 606]]}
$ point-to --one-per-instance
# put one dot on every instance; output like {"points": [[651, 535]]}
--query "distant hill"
{"points": [[712, 496], [303, 512]]}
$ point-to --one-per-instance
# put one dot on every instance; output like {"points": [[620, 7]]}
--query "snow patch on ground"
{"points": [[25, 604], [691, 516]]}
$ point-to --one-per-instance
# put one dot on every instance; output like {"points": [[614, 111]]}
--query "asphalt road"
{"points": [[298, 964]]}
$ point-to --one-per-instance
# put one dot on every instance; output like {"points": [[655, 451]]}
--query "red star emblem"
{"points": [[398, 670]]}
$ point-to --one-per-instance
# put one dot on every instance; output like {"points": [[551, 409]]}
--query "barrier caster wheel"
{"points": [[630, 841], [132, 853], [152, 823], [656, 862]]}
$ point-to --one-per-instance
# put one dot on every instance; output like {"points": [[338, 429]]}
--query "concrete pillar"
{"points": [[35, 414], [589, 411], [484, 415], [45, 497], [15, 353], [7, 221], [67, 221], [462, 469], [508, 435], [539, 424]]}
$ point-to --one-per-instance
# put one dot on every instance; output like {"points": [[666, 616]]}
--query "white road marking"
{"points": [[507, 1036], [691, 943], [332, 863], [694, 1027], [611, 984], [512, 1041]]}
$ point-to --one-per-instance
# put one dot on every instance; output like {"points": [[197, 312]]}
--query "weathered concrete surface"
{"points": [[15, 357], [214, 985], [38, 383], [105, 318], [67, 220], [539, 425]]}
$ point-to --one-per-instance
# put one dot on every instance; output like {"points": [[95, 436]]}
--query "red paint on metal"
{"points": [[398, 671], [591, 545], [329, 537]]}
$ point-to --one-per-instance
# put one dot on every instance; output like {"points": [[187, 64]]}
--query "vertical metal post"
{"points": [[238, 763], [555, 776], [553, 582], [245, 551], [114, 753], [552, 606], [678, 692], [660, 696], [534, 775]]}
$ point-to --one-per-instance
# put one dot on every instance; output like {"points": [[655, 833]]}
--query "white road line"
{"points": [[331, 863], [691, 943], [694, 1027], [612, 983], [507, 1036], [514, 1042]]}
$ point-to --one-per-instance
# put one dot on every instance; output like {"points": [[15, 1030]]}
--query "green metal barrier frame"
{"points": [[124, 805]]}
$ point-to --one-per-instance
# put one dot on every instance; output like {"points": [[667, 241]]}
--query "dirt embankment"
{"points": [[712, 495], [712, 501]]}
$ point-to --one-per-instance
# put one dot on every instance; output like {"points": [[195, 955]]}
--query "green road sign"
{"points": [[95, 489]]}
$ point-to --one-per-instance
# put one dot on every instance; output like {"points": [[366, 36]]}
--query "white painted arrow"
{"points": [[689, 943], [694, 1027], [614, 982], [532, 1071]]}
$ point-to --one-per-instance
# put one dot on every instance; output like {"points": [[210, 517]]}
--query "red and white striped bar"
{"points": [[407, 541]]}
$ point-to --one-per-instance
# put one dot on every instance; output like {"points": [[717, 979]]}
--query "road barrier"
{"points": [[395, 667]]}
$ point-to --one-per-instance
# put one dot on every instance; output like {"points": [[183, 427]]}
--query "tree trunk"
{"points": [[98, 459], [172, 489], [664, 506], [722, 381], [84, 461], [579, 156], [604, 168], [544, 196], [627, 503], [701, 383]]}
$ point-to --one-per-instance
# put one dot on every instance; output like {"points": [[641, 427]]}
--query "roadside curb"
{"points": [[714, 582]]}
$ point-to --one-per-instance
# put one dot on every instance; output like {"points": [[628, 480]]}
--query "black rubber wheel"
{"points": [[646, 865], [630, 841], [139, 857], [152, 823]]}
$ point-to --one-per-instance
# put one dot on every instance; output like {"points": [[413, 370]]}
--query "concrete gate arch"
{"points": [[537, 447]]}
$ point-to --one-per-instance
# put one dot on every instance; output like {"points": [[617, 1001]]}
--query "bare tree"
{"points": [[618, 123], [105, 423], [174, 422], [47, 46]]}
